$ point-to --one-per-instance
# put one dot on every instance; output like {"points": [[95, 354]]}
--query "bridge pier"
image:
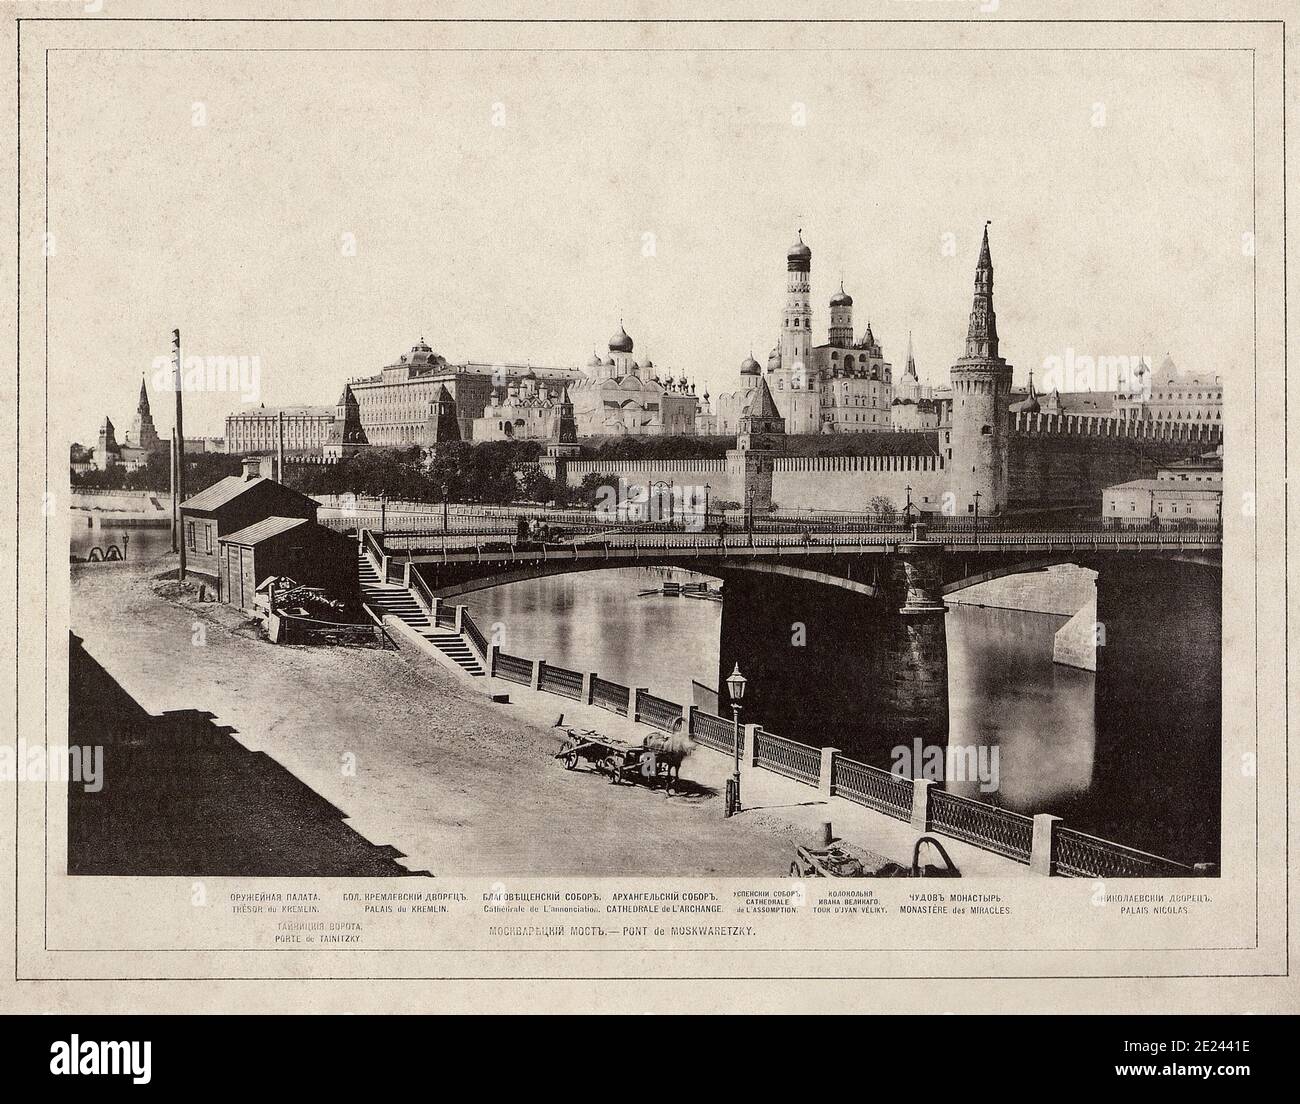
{"points": [[829, 666]]}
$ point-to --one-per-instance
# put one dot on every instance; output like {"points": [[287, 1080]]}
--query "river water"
{"points": [[1005, 693]]}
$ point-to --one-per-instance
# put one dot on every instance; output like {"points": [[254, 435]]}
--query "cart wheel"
{"points": [[615, 770], [571, 761]]}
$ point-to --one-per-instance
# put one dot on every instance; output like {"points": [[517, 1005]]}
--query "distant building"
{"points": [[394, 406], [1175, 395], [1184, 491], [232, 504], [142, 440], [306, 428], [528, 411], [618, 396]]}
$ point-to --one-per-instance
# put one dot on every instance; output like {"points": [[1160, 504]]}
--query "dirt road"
{"points": [[412, 757]]}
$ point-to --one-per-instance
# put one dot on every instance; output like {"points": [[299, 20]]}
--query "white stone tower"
{"points": [[981, 390]]}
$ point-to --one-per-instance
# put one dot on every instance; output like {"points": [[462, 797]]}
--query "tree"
{"points": [[882, 508]]}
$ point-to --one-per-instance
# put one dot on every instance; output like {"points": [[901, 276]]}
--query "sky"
{"points": [[659, 188]]}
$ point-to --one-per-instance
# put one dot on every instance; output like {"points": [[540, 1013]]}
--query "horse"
{"points": [[670, 748]]}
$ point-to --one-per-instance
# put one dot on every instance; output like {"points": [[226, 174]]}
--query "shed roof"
{"points": [[227, 490], [263, 530]]}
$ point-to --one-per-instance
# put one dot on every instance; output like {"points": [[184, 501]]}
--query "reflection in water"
{"points": [[594, 621], [1004, 692], [145, 542]]}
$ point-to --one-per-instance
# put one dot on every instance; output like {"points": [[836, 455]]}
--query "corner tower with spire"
{"points": [[143, 434], [981, 390]]}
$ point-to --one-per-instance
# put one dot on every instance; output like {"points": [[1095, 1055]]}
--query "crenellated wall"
{"points": [[1052, 460], [849, 483], [1057, 460]]}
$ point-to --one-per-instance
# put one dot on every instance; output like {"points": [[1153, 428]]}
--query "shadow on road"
{"points": [[182, 796]]}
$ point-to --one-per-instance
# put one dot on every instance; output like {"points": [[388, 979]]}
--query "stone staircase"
{"points": [[395, 599]]}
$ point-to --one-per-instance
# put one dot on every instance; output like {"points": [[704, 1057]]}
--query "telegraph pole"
{"points": [[178, 450]]}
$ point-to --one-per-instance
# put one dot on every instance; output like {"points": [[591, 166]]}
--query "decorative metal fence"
{"points": [[713, 732], [870, 786], [1078, 855], [477, 640], [1007, 833], [514, 669], [562, 681], [659, 712], [609, 695], [794, 760]]}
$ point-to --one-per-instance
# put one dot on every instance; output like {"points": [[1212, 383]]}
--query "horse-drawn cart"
{"points": [[838, 860], [655, 761]]}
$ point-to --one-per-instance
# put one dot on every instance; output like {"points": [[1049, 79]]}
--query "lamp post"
{"points": [[706, 507], [126, 543], [736, 688], [383, 511], [444, 508], [978, 496]]}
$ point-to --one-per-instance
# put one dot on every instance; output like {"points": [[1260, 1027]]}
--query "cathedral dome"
{"points": [[620, 342], [841, 298], [749, 366], [595, 361], [799, 251]]}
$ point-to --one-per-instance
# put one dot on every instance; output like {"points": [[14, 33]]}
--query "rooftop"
{"points": [[262, 530]]}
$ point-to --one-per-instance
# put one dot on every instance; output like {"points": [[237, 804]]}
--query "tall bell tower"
{"points": [[981, 390]]}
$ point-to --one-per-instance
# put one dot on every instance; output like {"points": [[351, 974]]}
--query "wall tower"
{"points": [[981, 390]]}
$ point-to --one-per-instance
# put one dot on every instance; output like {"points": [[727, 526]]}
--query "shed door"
{"points": [[247, 580], [223, 575]]}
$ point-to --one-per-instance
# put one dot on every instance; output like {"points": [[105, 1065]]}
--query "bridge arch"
{"points": [[714, 568]]}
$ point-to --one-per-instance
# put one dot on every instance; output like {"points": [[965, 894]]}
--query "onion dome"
{"points": [[595, 361], [620, 342], [648, 364], [841, 298], [799, 257], [749, 366]]}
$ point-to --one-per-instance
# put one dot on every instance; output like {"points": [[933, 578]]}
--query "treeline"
{"points": [[656, 448], [202, 469]]}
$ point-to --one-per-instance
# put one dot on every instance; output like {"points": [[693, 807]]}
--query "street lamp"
{"points": [[383, 511], [706, 506], [978, 496], [444, 508], [736, 688], [126, 543]]}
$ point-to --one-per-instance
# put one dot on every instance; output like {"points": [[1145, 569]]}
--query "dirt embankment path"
{"points": [[413, 757]]}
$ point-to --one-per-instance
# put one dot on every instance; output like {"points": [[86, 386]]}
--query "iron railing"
{"points": [[713, 732], [477, 640], [514, 668], [445, 618], [1079, 855], [870, 786], [788, 757], [561, 681], [1001, 830], [659, 712], [609, 695]]}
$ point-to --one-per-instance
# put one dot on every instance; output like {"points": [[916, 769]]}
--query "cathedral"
{"points": [[844, 385], [618, 396]]}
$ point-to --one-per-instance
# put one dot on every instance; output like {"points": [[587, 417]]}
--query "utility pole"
{"points": [[279, 446], [178, 444]]}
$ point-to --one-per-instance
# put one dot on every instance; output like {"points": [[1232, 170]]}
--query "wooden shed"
{"points": [[230, 505], [308, 553]]}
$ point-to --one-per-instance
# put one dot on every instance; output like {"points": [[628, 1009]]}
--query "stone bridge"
{"points": [[842, 633]]}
